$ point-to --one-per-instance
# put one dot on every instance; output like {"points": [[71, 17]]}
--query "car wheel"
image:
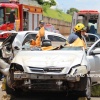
{"points": [[88, 89], [86, 83], [11, 91]]}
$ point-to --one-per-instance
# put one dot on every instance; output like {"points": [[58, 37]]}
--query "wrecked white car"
{"points": [[56, 70], [68, 69]]}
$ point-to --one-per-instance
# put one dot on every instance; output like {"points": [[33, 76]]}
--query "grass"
{"points": [[96, 91], [57, 15]]}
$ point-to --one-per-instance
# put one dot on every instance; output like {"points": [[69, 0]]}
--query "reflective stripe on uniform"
{"points": [[79, 42]]}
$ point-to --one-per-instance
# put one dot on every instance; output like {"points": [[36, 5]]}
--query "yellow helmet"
{"points": [[79, 27]]}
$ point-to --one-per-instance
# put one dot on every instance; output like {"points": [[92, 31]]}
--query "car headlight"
{"points": [[78, 70], [16, 67]]}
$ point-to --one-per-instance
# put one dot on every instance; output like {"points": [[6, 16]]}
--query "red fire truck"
{"points": [[90, 18], [27, 17]]}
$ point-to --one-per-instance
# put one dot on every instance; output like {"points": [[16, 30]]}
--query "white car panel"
{"points": [[48, 59]]}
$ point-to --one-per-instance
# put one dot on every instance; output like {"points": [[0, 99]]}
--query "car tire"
{"points": [[86, 82], [11, 91], [87, 92]]}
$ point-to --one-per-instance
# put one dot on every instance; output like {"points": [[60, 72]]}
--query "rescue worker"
{"points": [[77, 38], [32, 43], [40, 35]]}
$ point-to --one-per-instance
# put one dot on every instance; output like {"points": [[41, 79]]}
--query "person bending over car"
{"points": [[39, 36], [77, 38], [41, 33]]}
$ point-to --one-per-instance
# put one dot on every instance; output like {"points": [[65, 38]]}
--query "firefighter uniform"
{"points": [[76, 39], [39, 36]]}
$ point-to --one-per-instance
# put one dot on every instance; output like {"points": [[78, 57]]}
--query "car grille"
{"points": [[44, 70], [46, 85]]}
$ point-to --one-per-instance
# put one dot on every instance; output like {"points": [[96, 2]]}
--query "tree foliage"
{"points": [[40, 2], [46, 4], [51, 3], [72, 10]]}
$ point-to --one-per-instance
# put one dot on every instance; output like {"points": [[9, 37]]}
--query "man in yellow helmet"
{"points": [[76, 38]]}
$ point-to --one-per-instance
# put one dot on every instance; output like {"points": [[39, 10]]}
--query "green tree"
{"points": [[40, 2], [72, 10], [46, 4], [51, 3]]}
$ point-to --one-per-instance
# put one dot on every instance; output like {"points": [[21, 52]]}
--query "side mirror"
{"points": [[17, 48], [95, 51]]}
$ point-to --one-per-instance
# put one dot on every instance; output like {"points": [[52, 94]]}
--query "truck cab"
{"points": [[5, 25]]}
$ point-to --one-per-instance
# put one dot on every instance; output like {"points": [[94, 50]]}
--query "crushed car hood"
{"points": [[42, 59]]}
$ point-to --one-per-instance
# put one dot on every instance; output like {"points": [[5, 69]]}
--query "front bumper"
{"points": [[45, 82], [23, 76]]}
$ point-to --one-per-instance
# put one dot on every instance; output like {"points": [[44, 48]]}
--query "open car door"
{"points": [[6, 46], [93, 55]]}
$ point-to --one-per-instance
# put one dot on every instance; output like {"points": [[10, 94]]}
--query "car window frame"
{"points": [[27, 34], [90, 34], [58, 37]]}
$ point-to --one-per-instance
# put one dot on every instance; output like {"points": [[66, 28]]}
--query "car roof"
{"points": [[36, 32], [3, 32]]}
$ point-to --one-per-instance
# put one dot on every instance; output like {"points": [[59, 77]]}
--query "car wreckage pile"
{"points": [[64, 69]]}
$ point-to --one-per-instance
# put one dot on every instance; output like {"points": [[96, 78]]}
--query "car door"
{"points": [[6, 47], [21, 40], [90, 39], [56, 40], [94, 61]]}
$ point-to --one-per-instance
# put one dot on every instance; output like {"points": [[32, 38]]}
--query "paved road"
{"points": [[38, 96]]}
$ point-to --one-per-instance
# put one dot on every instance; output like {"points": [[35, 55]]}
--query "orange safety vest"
{"points": [[33, 43], [39, 36], [37, 42]]}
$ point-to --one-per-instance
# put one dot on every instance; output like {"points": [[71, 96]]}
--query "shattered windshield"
{"points": [[28, 47]]}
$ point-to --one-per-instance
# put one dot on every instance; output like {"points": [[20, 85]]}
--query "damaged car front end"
{"points": [[55, 70]]}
